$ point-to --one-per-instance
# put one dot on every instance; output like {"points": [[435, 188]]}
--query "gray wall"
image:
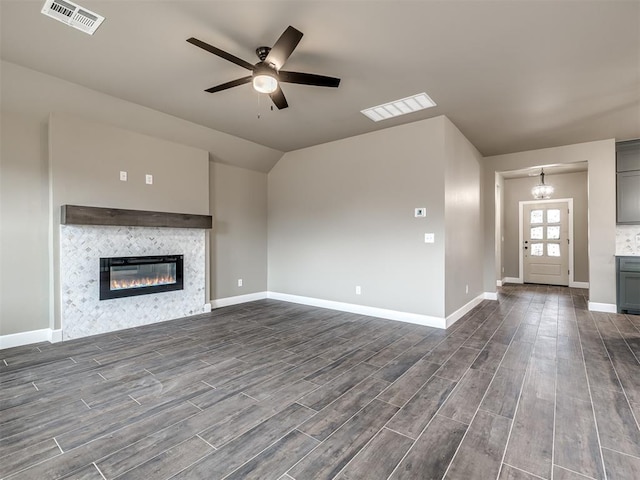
{"points": [[342, 214], [463, 219], [24, 233], [600, 156], [239, 243], [568, 185], [85, 160], [28, 97]]}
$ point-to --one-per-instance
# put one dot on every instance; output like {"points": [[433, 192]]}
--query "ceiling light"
{"points": [[399, 107], [265, 83], [265, 78], [542, 191]]}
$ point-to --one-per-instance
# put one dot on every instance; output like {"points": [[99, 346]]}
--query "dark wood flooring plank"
{"points": [[72, 460], [338, 367], [171, 461], [335, 452], [480, 453], [456, 366], [572, 379], [531, 443], [236, 453], [323, 396], [465, 399], [90, 472], [503, 393], [616, 425], [378, 459], [401, 391], [277, 459], [490, 357], [164, 439], [417, 413], [27, 456], [432, 452], [510, 473], [560, 473], [330, 418], [620, 466], [576, 445]]}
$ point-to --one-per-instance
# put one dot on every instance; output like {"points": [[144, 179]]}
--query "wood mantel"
{"points": [[80, 215]]}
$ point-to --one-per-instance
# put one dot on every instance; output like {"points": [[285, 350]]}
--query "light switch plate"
{"points": [[149, 179], [429, 238], [123, 176]]}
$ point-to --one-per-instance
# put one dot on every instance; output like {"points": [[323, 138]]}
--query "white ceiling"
{"points": [[512, 75]]}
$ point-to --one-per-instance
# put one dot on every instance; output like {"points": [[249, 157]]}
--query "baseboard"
{"points": [[490, 296], [27, 338], [511, 280], [602, 307], [416, 318], [458, 314], [228, 301], [579, 284]]}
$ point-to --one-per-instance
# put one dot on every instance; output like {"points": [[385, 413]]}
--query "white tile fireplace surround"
{"points": [[81, 247]]}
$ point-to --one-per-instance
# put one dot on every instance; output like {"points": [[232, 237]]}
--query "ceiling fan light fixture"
{"points": [[264, 82], [542, 191]]}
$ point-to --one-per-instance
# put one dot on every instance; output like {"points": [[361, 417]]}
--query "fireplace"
{"points": [[131, 276]]}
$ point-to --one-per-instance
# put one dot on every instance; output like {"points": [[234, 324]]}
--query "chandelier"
{"points": [[542, 191]]}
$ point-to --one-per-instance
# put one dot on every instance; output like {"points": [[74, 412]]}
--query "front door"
{"points": [[546, 243]]}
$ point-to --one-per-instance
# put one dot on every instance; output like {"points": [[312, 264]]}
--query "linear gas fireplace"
{"points": [[130, 276]]}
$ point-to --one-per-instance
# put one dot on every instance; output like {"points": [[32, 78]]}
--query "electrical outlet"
{"points": [[149, 179], [420, 212], [123, 176], [239, 282], [429, 238], [358, 290]]}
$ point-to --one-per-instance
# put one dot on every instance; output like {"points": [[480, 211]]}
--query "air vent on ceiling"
{"points": [[73, 15]]}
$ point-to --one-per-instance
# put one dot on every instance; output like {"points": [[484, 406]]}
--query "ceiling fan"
{"points": [[266, 75]]}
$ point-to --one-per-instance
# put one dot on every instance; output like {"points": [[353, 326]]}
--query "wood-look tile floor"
{"points": [[532, 386]]}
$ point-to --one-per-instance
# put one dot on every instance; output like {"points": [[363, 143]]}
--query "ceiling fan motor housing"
{"points": [[262, 52]]}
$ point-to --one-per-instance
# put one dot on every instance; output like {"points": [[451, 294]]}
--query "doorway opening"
{"points": [[546, 239]]}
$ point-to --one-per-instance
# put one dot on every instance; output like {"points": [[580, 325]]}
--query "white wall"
{"points": [[600, 156]]}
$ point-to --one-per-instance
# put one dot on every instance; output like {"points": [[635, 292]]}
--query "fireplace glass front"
{"points": [[130, 276]]}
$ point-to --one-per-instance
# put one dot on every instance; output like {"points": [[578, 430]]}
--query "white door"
{"points": [[546, 243]]}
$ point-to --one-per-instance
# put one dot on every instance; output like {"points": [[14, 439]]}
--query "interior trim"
{"points": [[83, 215]]}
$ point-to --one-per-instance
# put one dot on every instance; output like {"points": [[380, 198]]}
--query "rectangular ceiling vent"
{"points": [[73, 15], [399, 107]]}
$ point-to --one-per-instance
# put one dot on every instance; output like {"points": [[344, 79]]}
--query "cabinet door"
{"points": [[628, 186], [628, 156], [629, 291]]}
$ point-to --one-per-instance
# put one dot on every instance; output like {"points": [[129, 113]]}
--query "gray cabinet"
{"points": [[628, 182], [628, 284]]}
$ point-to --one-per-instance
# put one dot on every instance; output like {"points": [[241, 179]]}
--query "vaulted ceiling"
{"points": [[512, 75]]}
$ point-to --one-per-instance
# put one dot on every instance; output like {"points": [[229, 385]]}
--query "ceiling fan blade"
{"points": [[220, 53], [283, 47], [278, 99], [231, 84], [308, 79]]}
